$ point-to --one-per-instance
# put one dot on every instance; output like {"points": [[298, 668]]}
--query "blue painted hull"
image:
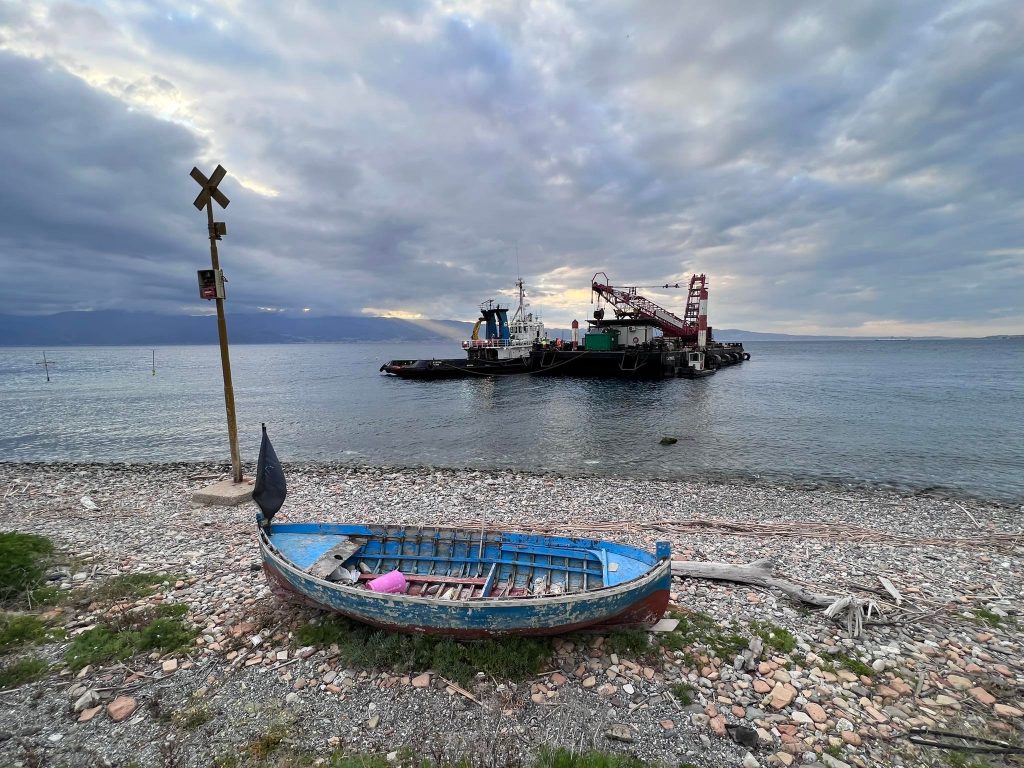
{"points": [[607, 584]]}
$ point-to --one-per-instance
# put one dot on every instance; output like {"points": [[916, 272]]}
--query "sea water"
{"points": [[911, 414]]}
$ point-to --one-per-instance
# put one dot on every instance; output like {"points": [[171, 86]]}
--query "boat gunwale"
{"points": [[654, 573]]}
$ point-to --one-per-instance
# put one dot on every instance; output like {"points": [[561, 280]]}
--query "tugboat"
{"points": [[505, 348]]}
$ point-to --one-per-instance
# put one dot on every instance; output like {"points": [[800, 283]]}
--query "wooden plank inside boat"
{"points": [[335, 556]]}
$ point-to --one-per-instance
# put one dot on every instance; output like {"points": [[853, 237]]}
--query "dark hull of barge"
{"points": [[647, 363], [429, 370], [632, 363]]}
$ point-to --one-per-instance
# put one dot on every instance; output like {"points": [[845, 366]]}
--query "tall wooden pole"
{"points": [[225, 360]]}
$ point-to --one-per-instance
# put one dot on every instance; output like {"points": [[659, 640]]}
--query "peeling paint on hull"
{"points": [[640, 602]]}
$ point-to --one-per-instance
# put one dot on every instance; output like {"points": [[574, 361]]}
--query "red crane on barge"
{"points": [[690, 328]]}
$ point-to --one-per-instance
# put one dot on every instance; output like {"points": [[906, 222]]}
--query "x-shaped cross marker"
{"points": [[209, 186]]}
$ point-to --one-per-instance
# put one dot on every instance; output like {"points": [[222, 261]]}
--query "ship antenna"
{"points": [[520, 313]]}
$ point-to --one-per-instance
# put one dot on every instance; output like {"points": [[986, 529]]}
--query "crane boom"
{"points": [[627, 301]]}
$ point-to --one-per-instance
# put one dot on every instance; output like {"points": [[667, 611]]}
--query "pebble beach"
{"points": [[946, 654]]}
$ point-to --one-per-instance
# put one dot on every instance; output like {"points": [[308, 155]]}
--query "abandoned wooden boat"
{"points": [[463, 582]]}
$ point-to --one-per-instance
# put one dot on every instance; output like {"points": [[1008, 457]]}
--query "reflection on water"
{"points": [[915, 414]]}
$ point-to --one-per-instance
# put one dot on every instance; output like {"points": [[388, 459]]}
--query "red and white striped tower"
{"points": [[575, 333]]}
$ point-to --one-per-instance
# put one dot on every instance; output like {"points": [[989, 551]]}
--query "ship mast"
{"points": [[521, 312]]}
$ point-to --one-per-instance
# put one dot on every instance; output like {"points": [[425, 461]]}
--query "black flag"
{"points": [[271, 487]]}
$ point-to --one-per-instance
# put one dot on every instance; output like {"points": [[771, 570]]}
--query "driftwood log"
{"points": [[854, 611], [758, 573]]}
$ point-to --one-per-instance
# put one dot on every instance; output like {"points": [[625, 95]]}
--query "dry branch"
{"points": [[855, 611], [796, 530], [757, 573]]}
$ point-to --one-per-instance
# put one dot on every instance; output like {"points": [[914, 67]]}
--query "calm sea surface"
{"points": [[914, 414]]}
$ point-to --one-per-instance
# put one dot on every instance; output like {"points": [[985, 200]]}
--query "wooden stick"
{"points": [[968, 513], [460, 690], [757, 573]]}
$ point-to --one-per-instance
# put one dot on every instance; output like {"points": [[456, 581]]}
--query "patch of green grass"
{"points": [[987, 617], [23, 560], [127, 586], [99, 645], [628, 642], [696, 628], [854, 664], [171, 610], [264, 745], [165, 635], [547, 758], [773, 636], [364, 647], [563, 758], [835, 751], [683, 693], [961, 760], [22, 671], [281, 758], [192, 717], [358, 761], [137, 633], [43, 596], [18, 630]]}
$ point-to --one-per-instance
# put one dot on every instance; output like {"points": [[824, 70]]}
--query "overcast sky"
{"points": [[834, 167]]}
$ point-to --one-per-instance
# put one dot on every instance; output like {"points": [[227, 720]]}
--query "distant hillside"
{"points": [[112, 327], [734, 334], [131, 328]]}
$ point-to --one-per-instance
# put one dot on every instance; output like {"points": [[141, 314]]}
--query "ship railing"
{"points": [[479, 343]]}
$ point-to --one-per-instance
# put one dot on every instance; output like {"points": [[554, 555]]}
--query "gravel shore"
{"points": [[950, 656]]}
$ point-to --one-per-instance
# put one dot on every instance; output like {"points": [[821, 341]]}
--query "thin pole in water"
{"points": [[46, 366], [154, 362]]}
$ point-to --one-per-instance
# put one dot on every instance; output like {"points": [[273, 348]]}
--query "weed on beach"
{"points": [[266, 752], [546, 758], [365, 647], [775, 637], [193, 717], [853, 664], [133, 633], [512, 658], [23, 561], [127, 586], [697, 628], [628, 642], [22, 671], [683, 692], [18, 630]]}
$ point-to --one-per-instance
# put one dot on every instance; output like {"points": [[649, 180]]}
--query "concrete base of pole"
{"points": [[226, 493]]}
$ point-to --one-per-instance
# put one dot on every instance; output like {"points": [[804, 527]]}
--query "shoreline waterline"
{"points": [[711, 478]]}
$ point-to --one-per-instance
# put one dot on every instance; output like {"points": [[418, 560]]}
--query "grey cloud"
{"points": [[858, 159]]}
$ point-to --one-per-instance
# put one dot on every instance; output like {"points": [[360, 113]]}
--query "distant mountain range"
{"points": [[112, 327]]}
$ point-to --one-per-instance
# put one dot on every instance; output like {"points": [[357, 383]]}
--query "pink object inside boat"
{"points": [[391, 583]]}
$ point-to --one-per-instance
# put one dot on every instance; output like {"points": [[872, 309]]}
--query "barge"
{"points": [[637, 340]]}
